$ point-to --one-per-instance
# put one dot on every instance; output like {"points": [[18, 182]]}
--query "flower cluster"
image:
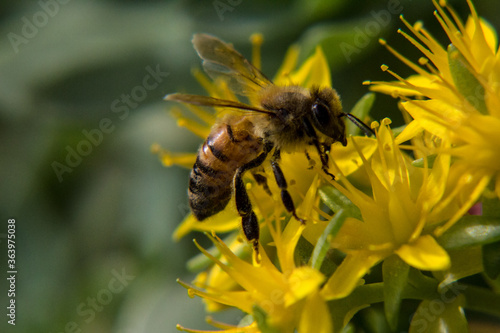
{"points": [[455, 97], [393, 225]]}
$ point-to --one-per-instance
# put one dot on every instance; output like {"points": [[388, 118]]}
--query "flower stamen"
{"points": [[405, 60], [256, 39]]}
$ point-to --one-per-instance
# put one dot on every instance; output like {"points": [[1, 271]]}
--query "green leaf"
{"points": [[336, 201], [494, 284], [465, 81], [323, 243], [374, 320], [344, 309], [420, 286], [481, 299], [440, 315], [491, 259], [471, 230], [491, 206], [395, 273], [303, 250], [361, 110], [464, 262], [349, 328]]}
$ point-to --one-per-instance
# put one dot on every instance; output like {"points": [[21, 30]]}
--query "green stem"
{"points": [[323, 244]]}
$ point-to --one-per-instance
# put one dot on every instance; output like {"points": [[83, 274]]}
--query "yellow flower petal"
{"points": [[238, 299], [435, 116], [424, 253], [359, 235], [483, 38], [302, 282], [348, 274], [397, 89], [316, 316], [411, 130], [286, 242], [248, 276], [225, 221], [434, 188], [348, 159], [479, 182], [282, 77], [314, 71]]}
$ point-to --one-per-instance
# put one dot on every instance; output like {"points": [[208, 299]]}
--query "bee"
{"points": [[284, 118]]}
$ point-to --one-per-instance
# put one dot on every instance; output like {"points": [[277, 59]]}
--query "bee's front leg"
{"points": [[324, 159], [323, 156], [311, 162]]}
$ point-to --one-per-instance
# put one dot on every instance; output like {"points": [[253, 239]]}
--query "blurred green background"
{"points": [[79, 110]]}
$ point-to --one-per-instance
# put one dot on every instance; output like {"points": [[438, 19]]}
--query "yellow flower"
{"points": [[280, 299], [456, 98], [406, 204]]}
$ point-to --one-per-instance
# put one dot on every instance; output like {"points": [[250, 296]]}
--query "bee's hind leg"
{"points": [[261, 180], [249, 221], [282, 184]]}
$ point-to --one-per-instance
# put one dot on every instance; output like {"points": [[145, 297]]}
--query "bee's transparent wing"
{"points": [[220, 59], [213, 102]]}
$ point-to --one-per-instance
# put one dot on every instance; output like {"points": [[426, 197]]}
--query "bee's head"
{"points": [[326, 114]]}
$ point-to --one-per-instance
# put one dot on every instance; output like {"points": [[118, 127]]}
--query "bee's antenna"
{"points": [[356, 121]]}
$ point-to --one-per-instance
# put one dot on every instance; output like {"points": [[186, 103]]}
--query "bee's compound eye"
{"points": [[321, 113], [325, 120]]}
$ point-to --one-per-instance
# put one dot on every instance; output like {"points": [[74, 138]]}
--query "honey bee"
{"points": [[285, 118]]}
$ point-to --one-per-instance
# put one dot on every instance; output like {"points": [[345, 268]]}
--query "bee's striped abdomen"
{"points": [[208, 193], [210, 184]]}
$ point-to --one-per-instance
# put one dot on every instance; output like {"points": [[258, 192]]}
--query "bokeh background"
{"points": [[93, 229]]}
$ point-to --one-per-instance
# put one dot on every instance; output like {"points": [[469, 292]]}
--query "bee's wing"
{"points": [[220, 59], [214, 102]]}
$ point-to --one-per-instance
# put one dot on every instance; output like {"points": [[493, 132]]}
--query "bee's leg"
{"points": [[310, 160], [282, 184], [261, 180], [326, 149], [321, 148], [249, 221], [323, 157]]}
